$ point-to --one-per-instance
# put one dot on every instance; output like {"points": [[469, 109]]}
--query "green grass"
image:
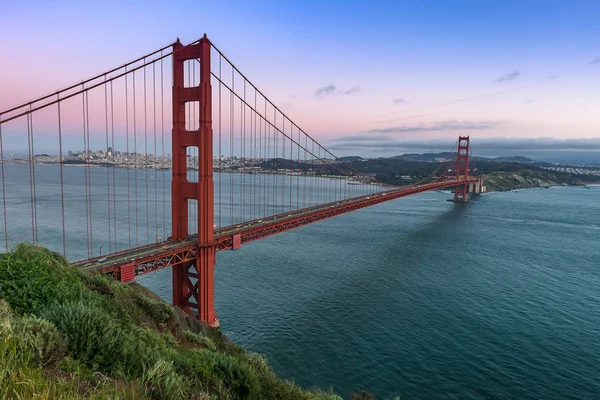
{"points": [[69, 335]]}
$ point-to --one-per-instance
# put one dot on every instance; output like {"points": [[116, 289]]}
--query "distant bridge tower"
{"points": [[462, 169], [193, 281]]}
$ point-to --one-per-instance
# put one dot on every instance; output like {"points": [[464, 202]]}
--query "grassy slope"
{"points": [[67, 335]]}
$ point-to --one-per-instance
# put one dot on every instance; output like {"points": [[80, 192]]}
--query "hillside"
{"points": [[68, 335], [502, 180]]}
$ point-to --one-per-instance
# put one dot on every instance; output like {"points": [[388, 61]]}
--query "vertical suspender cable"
{"points": [[291, 161], [87, 167], [146, 154], [85, 158], [284, 160], [62, 186], [243, 129], [3, 188], [306, 167], [162, 130], [254, 159], [107, 168], [315, 162], [298, 171], [220, 155], [231, 148], [112, 155], [30, 178], [261, 160], [135, 161], [33, 171], [128, 159], [276, 176], [267, 156], [155, 152]]}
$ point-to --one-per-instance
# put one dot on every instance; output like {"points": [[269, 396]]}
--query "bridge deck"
{"points": [[164, 254]]}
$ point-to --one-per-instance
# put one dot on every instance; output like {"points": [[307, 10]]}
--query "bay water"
{"points": [[419, 297]]}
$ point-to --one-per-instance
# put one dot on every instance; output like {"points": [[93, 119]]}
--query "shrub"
{"points": [[40, 340], [199, 339], [76, 368], [198, 365], [32, 277], [238, 376], [162, 382], [92, 336], [158, 310]]}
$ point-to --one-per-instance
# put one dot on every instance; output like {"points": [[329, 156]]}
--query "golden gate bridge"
{"points": [[271, 176]]}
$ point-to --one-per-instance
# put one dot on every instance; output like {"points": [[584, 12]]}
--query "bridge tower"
{"points": [[193, 281], [462, 169]]}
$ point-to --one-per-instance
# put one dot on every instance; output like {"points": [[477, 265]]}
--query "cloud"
{"points": [[553, 77], [595, 61], [324, 91], [542, 147], [439, 126], [511, 76], [351, 90], [398, 101], [365, 138], [329, 90], [287, 105]]}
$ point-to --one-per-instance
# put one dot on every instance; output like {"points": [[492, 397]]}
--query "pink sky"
{"points": [[404, 80]]}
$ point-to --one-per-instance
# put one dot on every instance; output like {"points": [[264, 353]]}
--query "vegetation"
{"points": [[527, 178], [68, 335], [499, 175]]}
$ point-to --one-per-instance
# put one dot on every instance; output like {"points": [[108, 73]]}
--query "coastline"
{"points": [[531, 179]]}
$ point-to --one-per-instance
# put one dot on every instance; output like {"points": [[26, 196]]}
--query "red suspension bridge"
{"points": [[148, 208]]}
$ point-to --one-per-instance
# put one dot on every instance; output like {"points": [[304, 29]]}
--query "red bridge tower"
{"points": [[193, 281], [462, 169]]}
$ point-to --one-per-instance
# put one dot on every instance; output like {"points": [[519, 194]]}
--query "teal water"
{"points": [[425, 299]]}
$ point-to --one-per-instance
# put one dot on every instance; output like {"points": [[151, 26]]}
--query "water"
{"points": [[427, 299], [423, 298], [129, 208]]}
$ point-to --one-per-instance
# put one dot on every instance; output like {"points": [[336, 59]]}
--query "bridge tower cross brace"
{"points": [[193, 281], [462, 169]]}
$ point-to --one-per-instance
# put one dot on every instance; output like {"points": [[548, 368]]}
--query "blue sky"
{"points": [[491, 69]]}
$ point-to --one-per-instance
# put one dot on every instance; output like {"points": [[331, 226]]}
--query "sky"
{"points": [[375, 78]]}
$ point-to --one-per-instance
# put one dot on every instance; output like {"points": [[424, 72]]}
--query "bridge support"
{"points": [[193, 280], [462, 169]]}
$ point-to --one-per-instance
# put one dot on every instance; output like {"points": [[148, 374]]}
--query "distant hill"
{"points": [[350, 158], [514, 159], [426, 157], [438, 157]]}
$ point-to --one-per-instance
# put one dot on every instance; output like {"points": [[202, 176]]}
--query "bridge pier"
{"points": [[476, 187], [193, 280], [193, 286]]}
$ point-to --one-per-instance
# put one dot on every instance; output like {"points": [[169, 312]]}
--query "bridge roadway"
{"points": [[167, 253]]}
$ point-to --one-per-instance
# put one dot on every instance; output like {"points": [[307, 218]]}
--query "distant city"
{"points": [[129, 160], [122, 159]]}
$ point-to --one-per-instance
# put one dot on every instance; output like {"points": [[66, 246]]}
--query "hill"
{"points": [[526, 178], [69, 335]]}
